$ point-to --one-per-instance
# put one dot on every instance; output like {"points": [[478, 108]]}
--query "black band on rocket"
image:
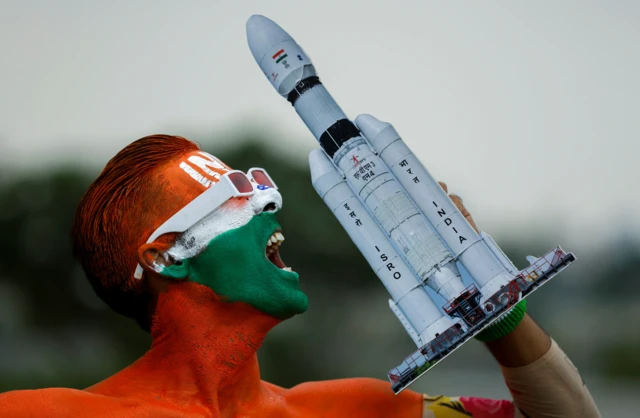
{"points": [[337, 134], [301, 87]]}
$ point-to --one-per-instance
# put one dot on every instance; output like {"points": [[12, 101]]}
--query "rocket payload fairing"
{"points": [[401, 220]]}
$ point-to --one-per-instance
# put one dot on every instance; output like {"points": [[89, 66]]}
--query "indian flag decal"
{"points": [[279, 56]]}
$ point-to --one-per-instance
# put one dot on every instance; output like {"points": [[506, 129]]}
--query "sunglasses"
{"points": [[231, 184]]}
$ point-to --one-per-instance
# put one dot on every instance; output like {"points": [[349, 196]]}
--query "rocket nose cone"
{"points": [[379, 134], [263, 34], [324, 176], [369, 125], [319, 164]]}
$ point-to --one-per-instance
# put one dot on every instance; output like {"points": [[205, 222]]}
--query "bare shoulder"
{"points": [[347, 387], [278, 390], [62, 402], [54, 402], [359, 396]]}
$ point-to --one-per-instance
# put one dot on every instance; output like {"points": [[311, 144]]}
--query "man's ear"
{"points": [[154, 257]]}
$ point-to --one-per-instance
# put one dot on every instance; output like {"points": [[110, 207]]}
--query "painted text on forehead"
{"points": [[203, 167]]}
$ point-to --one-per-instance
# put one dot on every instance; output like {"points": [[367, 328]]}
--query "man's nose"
{"points": [[270, 207], [268, 200]]}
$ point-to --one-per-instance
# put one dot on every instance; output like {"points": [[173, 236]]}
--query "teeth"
{"points": [[274, 242], [287, 269]]}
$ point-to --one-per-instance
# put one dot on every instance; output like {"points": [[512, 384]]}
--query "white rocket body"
{"points": [[402, 221], [484, 263], [410, 302], [381, 194]]}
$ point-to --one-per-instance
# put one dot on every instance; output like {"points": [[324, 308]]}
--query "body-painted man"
{"points": [[173, 238]]}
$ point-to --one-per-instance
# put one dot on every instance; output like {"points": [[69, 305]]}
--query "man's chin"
{"points": [[302, 304], [296, 304]]}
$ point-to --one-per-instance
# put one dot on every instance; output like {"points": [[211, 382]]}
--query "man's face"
{"points": [[232, 250]]}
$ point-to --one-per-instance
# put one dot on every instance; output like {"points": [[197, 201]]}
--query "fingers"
{"points": [[457, 200]]}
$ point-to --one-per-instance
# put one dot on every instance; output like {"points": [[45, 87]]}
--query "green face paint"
{"points": [[234, 265]]}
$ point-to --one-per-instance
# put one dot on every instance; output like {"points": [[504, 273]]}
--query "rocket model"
{"points": [[402, 221]]}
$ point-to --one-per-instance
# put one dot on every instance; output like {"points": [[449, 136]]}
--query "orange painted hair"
{"points": [[117, 214]]}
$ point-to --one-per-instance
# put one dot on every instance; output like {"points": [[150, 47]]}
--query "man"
{"points": [[175, 239]]}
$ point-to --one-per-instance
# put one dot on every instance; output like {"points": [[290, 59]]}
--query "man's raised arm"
{"points": [[540, 376]]}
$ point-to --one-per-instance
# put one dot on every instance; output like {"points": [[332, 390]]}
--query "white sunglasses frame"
{"points": [[196, 210]]}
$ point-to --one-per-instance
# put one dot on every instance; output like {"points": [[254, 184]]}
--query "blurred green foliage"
{"points": [[55, 332]]}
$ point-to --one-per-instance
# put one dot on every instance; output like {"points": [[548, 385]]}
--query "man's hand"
{"points": [[458, 202], [527, 342]]}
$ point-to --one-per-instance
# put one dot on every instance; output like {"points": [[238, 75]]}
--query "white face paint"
{"points": [[229, 216]]}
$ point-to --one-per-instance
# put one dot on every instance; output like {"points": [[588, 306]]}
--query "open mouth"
{"points": [[273, 245]]}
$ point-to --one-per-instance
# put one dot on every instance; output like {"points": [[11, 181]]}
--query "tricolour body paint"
{"points": [[233, 214], [228, 249], [234, 265]]}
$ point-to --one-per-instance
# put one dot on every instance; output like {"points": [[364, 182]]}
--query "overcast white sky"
{"points": [[528, 110]]}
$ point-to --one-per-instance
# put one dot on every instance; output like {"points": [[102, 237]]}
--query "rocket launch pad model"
{"points": [[401, 220]]}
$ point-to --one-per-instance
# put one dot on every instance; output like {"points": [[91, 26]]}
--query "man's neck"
{"points": [[204, 350]]}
